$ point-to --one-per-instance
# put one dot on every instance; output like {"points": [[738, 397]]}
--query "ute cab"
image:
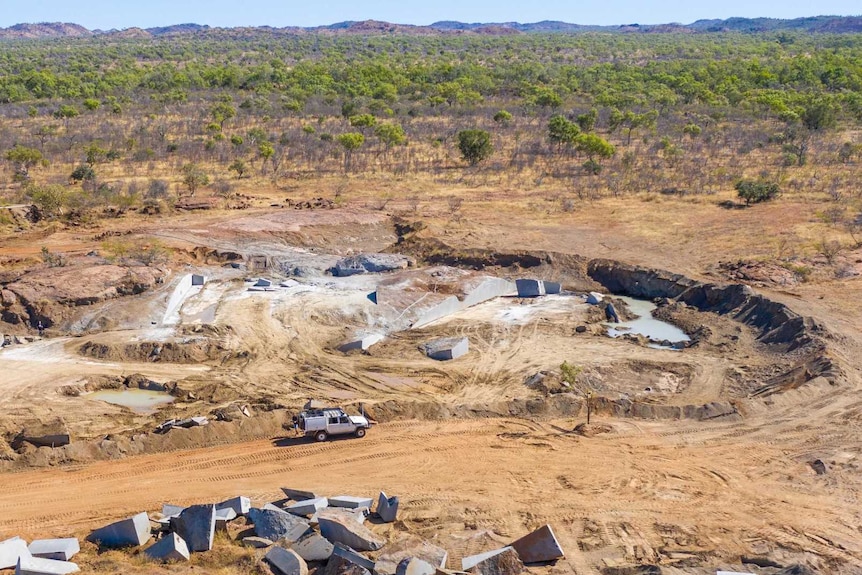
{"points": [[322, 423]]}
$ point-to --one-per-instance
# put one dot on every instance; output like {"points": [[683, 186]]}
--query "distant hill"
{"points": [[814, 24]]}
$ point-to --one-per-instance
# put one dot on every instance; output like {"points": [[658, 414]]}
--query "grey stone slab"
{"points": [[308, 507], [11, 550], [539, 546], [473, 560], [313, 547], [172, 510], [131, 532], [286, 561], [361, 343], [276, 525], [387, 508], [224, 516], [171, 547], [196, 525], [530, 287], [273, 507], [349, 533], [552, 288], [240, 505], [257, 542], [359, 514], [198, 280], [447, 348], [414, 566], [500, 562], [56, 549], [263, 283], [405, 548], [39, 566], [353, 557], [350, 502]]}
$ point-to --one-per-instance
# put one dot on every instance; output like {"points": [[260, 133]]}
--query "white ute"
{"points": [[321, 423]]}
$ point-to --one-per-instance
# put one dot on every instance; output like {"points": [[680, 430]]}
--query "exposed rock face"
{"points": [[47, 295], [371, 263]]}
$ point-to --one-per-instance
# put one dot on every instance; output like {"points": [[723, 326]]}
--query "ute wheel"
{"points": [[321, 436], [360, 432]]}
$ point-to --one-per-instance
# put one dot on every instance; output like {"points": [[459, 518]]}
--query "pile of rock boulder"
{"points": [[303, 529]]}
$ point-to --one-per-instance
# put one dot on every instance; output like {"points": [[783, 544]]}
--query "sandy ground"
{"points": [[641, 493]]}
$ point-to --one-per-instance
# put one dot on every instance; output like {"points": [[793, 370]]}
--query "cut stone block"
{"points": [[539, 546], [171, 547], [350, 502], [503, 561], [275, 525], [198, 280], [349, 533], [286, 561], [272, 507], [595, 298], [530, 288], [414, 566], [410, 546], [240, 505], [552, 288], [362, 343], [299, 494], [353, 557], [11, 550], [387, 508], [224, 516], [56, 549], [172, 510], [38, 566], [196, 525], [313, 547], [447, 348], [132, 532], [309, 507], [263, 283], [257, 542]]}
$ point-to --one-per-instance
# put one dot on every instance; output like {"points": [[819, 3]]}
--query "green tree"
{"points": [[194, 177], [45, 132], [351, 142], [221, 112], [587, 122], [756, 191], [66, 113], [95, 154], [265, 151], [390, 135], [92, 104], [239, 167], [596, 149], [475, 146], [23, 159], [363, 121], [562, 132], [547, 98]]}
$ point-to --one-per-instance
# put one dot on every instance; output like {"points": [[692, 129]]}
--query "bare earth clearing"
{"points": [[477, 457]]}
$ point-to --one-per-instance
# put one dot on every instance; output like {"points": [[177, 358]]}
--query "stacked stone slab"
{"points": [[540, 546], [447, 348], [171, 547], [350, 534], [275, 525], [131, 532], [196, 525], [387, 508], [56, 549], [286, 561]]}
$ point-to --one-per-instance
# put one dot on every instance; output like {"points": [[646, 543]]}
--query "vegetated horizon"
{"points": [[122, 121]]}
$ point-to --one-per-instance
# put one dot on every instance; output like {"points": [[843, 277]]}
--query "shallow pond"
{"points": [[645, 324], [138, 400]]}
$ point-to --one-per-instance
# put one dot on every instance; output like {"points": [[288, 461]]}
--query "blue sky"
{"points": [[107, 14]]}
